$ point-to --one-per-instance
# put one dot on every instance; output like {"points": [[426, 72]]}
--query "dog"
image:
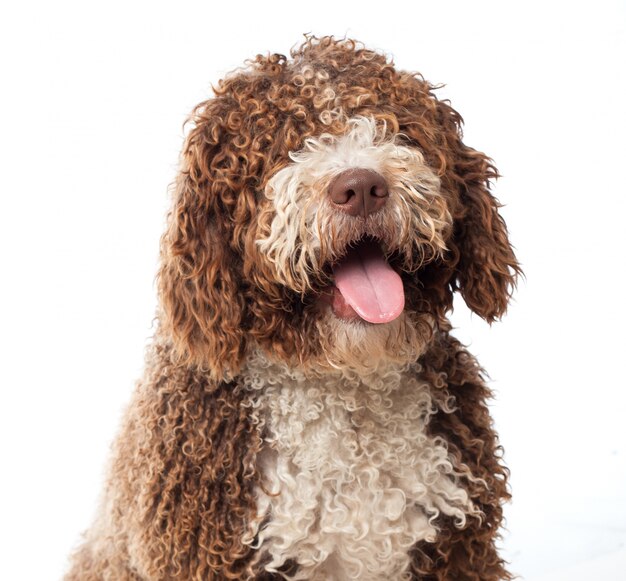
{"points": [[305, 412]]}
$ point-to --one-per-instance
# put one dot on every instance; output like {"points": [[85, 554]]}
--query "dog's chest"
{"points": [[352, 480]]}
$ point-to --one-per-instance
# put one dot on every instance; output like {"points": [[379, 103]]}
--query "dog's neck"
{"points": [[260, 364]]}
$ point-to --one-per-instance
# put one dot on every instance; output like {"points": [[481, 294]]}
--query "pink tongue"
{"points": [[369, 285]]}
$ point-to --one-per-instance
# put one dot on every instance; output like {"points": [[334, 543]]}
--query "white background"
{"points": [[93, 99]]}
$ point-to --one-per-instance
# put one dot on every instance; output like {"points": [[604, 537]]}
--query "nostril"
{"points": [[379, 192], [342, 196]]}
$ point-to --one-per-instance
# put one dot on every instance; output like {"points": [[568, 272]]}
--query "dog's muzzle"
{"points": [[366, 287]]}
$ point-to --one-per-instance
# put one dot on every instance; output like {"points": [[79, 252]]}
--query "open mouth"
{"points": [[366, 286]]}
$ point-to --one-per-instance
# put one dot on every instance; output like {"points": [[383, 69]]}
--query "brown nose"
{"points": [[359, 192]]}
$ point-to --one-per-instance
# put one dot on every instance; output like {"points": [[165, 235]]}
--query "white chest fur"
{"points": [[352, 480]]}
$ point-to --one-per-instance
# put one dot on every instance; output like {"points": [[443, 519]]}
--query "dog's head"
{"points": [[325, 211]]}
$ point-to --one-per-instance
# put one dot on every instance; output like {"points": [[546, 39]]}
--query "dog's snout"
{"points": [[359, 192]]}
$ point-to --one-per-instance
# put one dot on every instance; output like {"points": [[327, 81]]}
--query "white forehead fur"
{"points": [[363, 145]]}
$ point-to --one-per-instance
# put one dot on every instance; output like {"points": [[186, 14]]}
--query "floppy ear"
{"points": [[487, 269], [201, 303], [482, 264]]}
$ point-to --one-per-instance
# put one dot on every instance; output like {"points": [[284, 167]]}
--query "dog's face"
{"points": [[326, 210]]}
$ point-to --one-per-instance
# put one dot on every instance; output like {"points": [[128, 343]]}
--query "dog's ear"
{"points": [[487, 268], [201, 303], [482, 265]]}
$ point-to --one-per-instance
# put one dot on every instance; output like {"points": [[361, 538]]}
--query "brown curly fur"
{"points": [[183, 474]]}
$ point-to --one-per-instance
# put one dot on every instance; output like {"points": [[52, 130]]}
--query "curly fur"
{"points": [[306, 232], [269, 439], [353, 477]]}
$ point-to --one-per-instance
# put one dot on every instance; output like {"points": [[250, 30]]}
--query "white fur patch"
{"points": [[351, 479], [301, 230]]}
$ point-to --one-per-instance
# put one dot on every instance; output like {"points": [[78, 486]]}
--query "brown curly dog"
{"points": [[305, 413]]}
